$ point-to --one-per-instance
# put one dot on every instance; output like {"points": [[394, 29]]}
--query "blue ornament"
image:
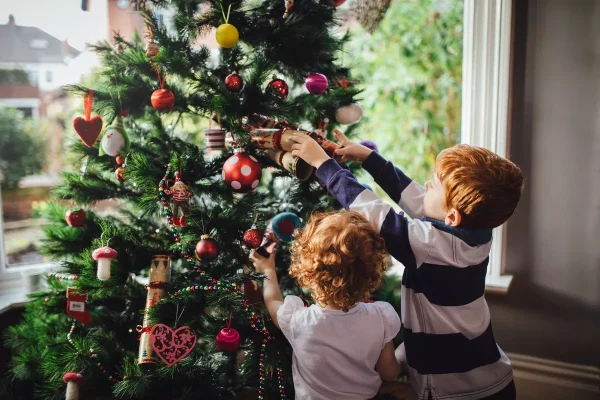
{"points": [[285, 224]]}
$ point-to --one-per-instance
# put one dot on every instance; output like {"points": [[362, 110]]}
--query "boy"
{"points": [[449, 348]]}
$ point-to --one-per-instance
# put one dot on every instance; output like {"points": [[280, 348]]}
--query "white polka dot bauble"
{"points": [[242, 172]]}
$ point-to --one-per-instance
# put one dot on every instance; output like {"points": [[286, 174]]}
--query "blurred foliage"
{"points": [[13, 77], [21, 147], [410, 70]]}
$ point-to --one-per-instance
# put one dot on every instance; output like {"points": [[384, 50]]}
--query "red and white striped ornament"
{"points": [[214, 139]]}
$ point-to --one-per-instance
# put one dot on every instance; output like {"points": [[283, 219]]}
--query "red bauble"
{"points": [[242, 172], [252, 238], [162, 99], [234, 82], [75, 218], [228, 340], [120, 160], [207, 249], [279, 87], [316, 83], [120, 174], [338, 3]]}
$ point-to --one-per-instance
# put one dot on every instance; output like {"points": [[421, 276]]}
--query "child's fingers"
{"points": [[299, 138], [341, 138], [296, 146], [296, 153]]}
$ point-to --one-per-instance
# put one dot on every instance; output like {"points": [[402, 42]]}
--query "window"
{"points": [[33, 77], [486, 87], [49, 76]]}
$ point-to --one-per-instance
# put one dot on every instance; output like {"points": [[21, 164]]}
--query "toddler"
{"points": [[342, 345], [449, 348]]}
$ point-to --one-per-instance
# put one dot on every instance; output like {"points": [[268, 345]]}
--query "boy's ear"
{"points": [[453, 217]]}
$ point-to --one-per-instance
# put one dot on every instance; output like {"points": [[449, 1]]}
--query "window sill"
{"points": [[498, 284], [18, 281]]}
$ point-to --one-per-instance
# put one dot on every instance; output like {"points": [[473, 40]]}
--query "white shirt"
{"points": [[335, 352]]}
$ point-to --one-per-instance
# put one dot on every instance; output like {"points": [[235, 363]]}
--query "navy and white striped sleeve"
{"points": [[407, 193], [392, 226]]}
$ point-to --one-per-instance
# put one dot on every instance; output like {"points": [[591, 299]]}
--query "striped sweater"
{"points": [[449, 347]]}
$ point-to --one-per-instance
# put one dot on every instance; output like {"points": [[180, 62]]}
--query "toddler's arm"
{"points": [[271, 290], [407, 193], [388, 366]]}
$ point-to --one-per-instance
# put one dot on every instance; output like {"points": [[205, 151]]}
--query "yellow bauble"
{"points": [[227, 35]]}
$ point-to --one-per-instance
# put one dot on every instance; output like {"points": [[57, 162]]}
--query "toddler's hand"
{"points": [[263, 264], [350, 151]]}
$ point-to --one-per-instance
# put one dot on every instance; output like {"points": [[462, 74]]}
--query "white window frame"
{"points": [[487, 53]]}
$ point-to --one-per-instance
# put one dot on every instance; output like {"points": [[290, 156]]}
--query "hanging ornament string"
{"points": [[212, 284], [88, 100], [161, 79], [225, 18], [93, 355]]}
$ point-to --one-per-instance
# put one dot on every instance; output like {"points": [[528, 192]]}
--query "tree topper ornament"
{"points": [[181, 195]]}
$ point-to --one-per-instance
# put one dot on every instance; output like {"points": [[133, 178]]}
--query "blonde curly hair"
{"points": [[339, 257]]}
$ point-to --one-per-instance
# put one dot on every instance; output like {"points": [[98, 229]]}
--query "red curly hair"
{"points": [[339, 257], [484, 187]]}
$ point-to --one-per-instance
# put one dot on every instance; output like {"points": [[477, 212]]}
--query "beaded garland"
{"points": [[93, 355], [213, 284], [63, 277]]}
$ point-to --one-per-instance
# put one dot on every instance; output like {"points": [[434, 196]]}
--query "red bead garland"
{"points": [[92, 355]]}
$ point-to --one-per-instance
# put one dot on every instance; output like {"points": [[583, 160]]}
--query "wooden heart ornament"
{"points": [[88, 130], [172, 346]]}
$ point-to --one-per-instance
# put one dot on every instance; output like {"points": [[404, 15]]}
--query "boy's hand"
{"points": [[308, 149], [262, 264], [350, 151]]}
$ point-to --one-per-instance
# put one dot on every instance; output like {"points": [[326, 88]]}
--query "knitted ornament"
{"points": [[228, 339], [316, 83], [207, 249], [369, 144], [77, 306], [73, 380], [285, 224], [89, 128], [104, 256], [115, 140], [75, 219], [252, 238]]}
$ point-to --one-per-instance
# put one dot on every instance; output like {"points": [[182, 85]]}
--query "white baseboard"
{"points": [[539, 378]]}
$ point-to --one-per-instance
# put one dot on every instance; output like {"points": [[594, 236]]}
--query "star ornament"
{"points": [[286, 226]]}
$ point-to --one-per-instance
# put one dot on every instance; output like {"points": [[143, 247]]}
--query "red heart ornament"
{"points": [[172, 346], [88, 130]]}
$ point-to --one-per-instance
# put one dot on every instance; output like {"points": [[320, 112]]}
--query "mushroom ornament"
{"points": [[104, 256], [73, 380]]}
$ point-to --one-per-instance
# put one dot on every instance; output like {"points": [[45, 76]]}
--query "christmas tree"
{"points": [[161, 302]]}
